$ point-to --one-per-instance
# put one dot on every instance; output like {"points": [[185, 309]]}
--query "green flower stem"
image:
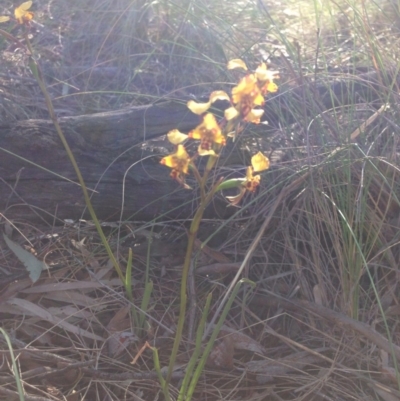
{"points": [[194, 227], [210, 343], [210, 165], [195, 356], [39, 77], [200, 181]]}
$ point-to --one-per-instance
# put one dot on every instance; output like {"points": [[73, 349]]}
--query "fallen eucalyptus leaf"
{"points": [[32, 264]]}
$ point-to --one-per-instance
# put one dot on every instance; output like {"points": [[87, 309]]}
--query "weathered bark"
{"points": [[36, 175], [34, 167]]}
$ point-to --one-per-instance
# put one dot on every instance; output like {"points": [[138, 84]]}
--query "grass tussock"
{"points": [[318, 318]]}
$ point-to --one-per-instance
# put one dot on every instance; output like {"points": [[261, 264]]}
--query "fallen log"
{"points": [[37, 180]]}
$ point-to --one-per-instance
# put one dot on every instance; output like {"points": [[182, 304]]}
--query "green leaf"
{"points": [[32, 264], [234, 183]]}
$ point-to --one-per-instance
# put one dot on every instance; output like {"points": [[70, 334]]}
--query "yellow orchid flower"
{"points": [[247, 90], [259, 162], [247, 95], [179, 162], [266, 78], [21, 13], [208, 132], [250, 183]]}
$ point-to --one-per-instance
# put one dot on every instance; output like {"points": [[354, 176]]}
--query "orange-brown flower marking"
{"points": [[247, 95], [252, 181], [179, 162], [208, 132], [21, 13]]}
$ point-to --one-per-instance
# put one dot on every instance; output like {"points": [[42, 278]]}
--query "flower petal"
{"points": [[236, 63], [198, 108], [176, 137], [249, 174], [230, 113], [4, 18], [260, 162], [21, 14], [263, 74], [219, 95], [266, 78], [272, 87], [205, 152], [254, 116], [25, 6]]}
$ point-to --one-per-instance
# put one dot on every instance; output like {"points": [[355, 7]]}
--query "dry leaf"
{"points": [[32, 309], [118, 342], [31, 262], [221, 356], [218, 256], [241, 341], [121, 337]]}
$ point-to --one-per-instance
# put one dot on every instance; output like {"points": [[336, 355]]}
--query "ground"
{"points": [[316, 315]]}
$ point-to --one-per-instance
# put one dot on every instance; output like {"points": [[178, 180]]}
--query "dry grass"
{"points": [[322, 322]]}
